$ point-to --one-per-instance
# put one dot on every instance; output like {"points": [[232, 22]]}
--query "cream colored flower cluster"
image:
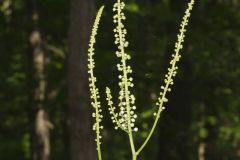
{"points": [[172, 70], [126, 117], [92, 84]]}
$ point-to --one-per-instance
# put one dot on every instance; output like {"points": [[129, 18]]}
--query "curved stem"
{"points": [[160, 109], [171, 73], [155, 122], [92, 81]]}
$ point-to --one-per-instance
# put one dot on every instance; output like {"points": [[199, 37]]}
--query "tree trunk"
{"points": [[40, 127], [81, 135], [202, 125], [201, 151]]}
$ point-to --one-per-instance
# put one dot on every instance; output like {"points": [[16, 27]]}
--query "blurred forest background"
{"points": [[44, 99]]}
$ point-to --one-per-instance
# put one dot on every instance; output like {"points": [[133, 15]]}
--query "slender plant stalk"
{"points": [[92, 85], [125, 76], [171, 72], [127, 116]]}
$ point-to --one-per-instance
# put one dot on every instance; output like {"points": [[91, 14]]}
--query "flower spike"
{"points": [[92, 85]]}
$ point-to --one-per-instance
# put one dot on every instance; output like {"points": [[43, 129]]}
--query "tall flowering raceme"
{"points": [[124, 115], [172, 71], [92, 85]]}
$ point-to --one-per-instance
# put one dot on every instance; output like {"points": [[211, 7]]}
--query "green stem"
{"points": [[97, 121], [134, 156], [162, 99], [125, 84], [171, 74], [160, 107], [93, 88], [98, 135]]}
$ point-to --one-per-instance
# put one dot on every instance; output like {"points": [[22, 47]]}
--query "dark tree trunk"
{"points": [[81, 135]]}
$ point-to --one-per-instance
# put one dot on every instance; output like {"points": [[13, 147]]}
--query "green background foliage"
{"points": [[204, 106]]}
